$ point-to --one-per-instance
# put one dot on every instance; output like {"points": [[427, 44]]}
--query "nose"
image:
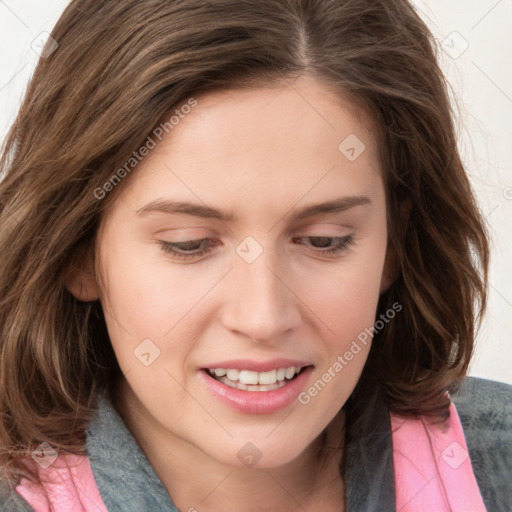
{"points": [[260, 302]]}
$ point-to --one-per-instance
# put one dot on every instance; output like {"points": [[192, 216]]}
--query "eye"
{"points": [[187, 249], [197, 248], [326, 246]]}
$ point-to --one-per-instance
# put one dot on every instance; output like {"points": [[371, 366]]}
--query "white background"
{"points": [[475, 39]]}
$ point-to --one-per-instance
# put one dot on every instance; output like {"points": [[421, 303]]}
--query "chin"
{"points": [[259, 454]]}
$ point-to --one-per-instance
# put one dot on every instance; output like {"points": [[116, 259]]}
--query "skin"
{"points": [[260, 154]]}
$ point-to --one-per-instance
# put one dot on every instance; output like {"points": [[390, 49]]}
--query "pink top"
{"points": [[72, 487], [433, 470], [433, 473]]}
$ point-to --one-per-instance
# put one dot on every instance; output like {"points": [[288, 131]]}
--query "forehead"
{"points": [[304, 107], [291, 135]]}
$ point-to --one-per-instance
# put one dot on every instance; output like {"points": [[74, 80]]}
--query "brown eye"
{"points": [[321, 241], [186, 249], [323, 244]]}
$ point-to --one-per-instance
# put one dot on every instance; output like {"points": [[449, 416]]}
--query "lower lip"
{"points": [[257, 402]]}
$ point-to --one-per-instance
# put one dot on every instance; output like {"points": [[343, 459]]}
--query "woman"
{"points": [[240, 268]]}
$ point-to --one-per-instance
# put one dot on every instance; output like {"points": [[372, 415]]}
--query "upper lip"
{"points": [[257, 366]]}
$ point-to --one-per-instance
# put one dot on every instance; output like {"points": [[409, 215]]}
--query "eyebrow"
{"points": [[198, 210]]}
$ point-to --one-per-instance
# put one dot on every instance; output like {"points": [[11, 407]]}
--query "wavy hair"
{"points": [[119, 70]]}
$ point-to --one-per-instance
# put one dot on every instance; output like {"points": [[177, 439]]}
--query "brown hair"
{"points": [[119, 70]]}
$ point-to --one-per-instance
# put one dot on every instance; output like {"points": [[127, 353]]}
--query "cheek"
{"points": [[345, 299], [345, 315], [146, 292], [345, 307], [144, 300]]}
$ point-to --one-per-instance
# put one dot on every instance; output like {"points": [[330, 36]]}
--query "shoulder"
{"points": [[485, 406], [485, 392], [485, 411]]}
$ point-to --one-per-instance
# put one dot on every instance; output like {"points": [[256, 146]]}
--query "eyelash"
{"points": [[169, 247]]}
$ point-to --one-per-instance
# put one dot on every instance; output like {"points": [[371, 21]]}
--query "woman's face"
{"points": [[284, 187]]}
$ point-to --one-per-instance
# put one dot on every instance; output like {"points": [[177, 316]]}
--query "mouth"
{"points": [[249, 391], [247, 380]]}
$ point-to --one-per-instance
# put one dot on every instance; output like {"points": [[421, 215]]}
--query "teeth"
{"points": [[267, 377], [247, 377], [290, 372], [253, 379], [232, 374], [245, 387]]}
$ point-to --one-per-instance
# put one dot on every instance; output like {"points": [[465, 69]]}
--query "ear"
{"points": [[80, 278], [391, 270]]}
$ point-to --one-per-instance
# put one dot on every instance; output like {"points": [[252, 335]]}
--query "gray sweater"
{"points": [[128, 483]]}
